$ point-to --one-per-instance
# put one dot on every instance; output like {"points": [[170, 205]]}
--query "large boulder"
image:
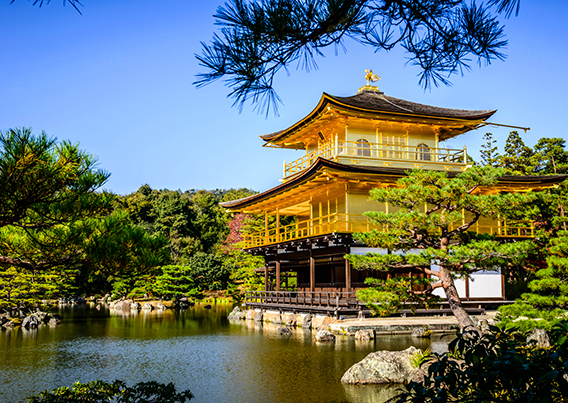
{"points": [[161, 306], [148, 307], [54, 321], [324, 335], [384, 367], [135, 306]]}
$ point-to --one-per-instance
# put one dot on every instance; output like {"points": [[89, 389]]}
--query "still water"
{"points": [[197, 349]]}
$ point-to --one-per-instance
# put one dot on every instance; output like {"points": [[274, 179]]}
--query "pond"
{"points": [[197, 349]]}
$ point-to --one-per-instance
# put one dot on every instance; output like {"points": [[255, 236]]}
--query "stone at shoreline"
{"points": [[31, 322], [284, 331], [273, 317], [9, 325], [540, 337], [135, 306], [304, 320], [148, 307], [421, 332], [384, 367], [236, 314], [161, 306], [289, 319], [208, 306], [324, 335], [365, 334], [258, 317], [324, 325]]}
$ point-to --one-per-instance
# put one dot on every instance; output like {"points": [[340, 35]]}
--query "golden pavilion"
{"points": [[352, 145]]}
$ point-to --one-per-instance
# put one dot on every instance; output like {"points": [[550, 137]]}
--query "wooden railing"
{"points": [[350, 223], [303, 298], [381, 151], [345, 223]]}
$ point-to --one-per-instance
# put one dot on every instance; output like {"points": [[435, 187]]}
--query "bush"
{"points": [[117, 391], [497, 366]]}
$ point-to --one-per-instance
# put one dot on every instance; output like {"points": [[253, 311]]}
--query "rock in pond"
{"points": [[384, 367], [284, 331], [31, 322], [161, 306], [148, 307], [324, 335], [135, 306]]}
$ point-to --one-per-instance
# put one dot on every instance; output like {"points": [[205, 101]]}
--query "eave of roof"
{"points": [[384, 171], [378, 103]]}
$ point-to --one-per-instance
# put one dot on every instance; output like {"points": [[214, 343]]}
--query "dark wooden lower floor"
{"points": [[346, 303]]}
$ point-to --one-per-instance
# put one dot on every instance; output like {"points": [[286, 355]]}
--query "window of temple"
{"points": [[423, 152], [363, 148], [393, 146]]}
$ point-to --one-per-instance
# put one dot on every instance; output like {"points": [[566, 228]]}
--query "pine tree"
{"points": [[433, 228], [547, 303]]}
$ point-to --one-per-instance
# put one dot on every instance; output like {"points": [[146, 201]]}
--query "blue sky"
{"points": [[118, 80]]}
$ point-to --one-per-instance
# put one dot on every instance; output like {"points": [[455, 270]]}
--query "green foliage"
{"points": [[117, 391], [387, 297], [496, 366], [259, 38], [547, 303], [432, 226], [489, 154], [208, 271], [421, 357], [192, 221], [548, 156], [175, 282]]}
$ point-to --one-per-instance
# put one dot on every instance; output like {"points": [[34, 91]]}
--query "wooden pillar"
{"points": [[347, 274], [312, 273], [266, 277], [278, 275]]}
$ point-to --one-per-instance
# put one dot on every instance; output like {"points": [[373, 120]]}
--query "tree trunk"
{"points": [[454, 300]]}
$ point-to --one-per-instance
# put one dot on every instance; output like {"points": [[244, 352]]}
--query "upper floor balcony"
{"points": [[362, 152], [351, 223]]}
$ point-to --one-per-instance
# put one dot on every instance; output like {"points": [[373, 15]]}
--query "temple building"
{"points": [[352, 145]]}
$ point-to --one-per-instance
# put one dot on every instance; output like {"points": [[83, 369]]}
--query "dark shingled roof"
{"points": [[374, 101], [378, 101]]}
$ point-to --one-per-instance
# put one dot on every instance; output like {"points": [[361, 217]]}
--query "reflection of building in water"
{"points": [[352, 145]]}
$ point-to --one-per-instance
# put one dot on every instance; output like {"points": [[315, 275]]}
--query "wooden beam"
{"points": [[278, 275], [347, 274], [312, 273], [266, 277]]}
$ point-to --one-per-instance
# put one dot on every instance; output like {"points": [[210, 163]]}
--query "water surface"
{"points": [[197, 349]]}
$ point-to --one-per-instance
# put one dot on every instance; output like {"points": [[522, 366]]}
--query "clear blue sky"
{"points": [[118, 80]]}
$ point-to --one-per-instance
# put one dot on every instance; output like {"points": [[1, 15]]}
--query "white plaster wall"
{"points": [[485, 285]]}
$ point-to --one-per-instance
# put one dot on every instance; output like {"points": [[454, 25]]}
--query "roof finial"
{"points": [[371, 78]]}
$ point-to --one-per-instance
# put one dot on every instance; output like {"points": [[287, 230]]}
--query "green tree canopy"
{"points": [[432, 230]]}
